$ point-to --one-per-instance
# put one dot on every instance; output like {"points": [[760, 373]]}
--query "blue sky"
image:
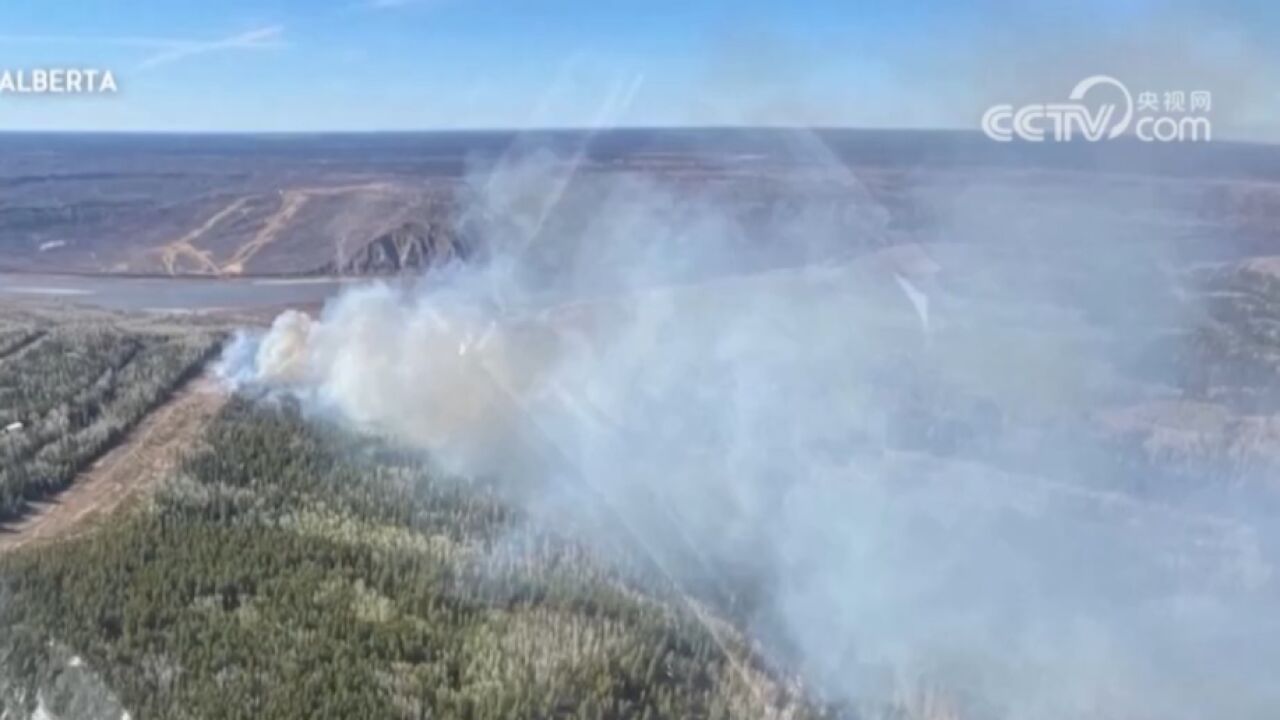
{"points": [[295, 65]]}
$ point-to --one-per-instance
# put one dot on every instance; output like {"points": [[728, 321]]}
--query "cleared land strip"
{"points": [[14, 344], [147, 454], [292, 201], [185, 246]]}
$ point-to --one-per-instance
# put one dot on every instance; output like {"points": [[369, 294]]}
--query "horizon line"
{"points": [[480, 129]]}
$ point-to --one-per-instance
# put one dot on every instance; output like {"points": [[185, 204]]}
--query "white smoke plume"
{"points": [[878, 468]]}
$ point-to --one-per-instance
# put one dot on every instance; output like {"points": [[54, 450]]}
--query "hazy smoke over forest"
{"points": [[874, 455]]}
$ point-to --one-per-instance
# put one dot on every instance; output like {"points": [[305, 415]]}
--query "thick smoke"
{"points": [[878, 461]]}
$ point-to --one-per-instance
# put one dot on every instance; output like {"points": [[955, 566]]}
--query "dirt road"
{"points": [[145, 457]]}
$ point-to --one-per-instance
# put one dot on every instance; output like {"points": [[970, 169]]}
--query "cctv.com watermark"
{"points": [[1102, 108]]}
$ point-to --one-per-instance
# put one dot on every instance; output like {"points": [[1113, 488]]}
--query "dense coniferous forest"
{"points": [[71, 388], [292, 570]]}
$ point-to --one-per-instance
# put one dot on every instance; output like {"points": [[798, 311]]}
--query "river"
{"points": [[169, 294]]}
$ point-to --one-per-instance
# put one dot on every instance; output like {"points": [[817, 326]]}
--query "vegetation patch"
{"points": [[293, 571], [70, 389]]}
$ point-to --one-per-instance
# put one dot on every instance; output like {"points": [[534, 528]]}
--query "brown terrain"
{"points": [[361, 205]]}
